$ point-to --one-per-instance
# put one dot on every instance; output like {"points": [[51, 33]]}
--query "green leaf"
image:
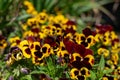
{"points": [[16, 72], [37, 72], [6, 75], [81, 25], [107, 71], [92, 75], [102, 63], [39, 5], [25, 16], [51, 4], [26, 77]]}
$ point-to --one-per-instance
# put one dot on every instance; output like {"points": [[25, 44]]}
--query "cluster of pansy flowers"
{"points": [[45, 35], [107, 44]]}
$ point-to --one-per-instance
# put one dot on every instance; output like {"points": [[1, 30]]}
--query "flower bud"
{"points": [[11, 78], [24, 70]]}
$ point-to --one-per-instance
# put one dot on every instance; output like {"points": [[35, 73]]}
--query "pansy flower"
{"points": [[85, 72], [28, 33], [51, 19], [42, 17], [46, 50], [49, 30], [59, 31], [9, 59], [117, 72], [74, 73], [32, 22], [109, 64], [87, 32], [30, 8], [69, 45], [81, 77], [115, 46], [3, 42], [36, 51], [25, 47], [16, 53], [52, 31], [98, 37], [114, 57], [103, 51], [62, 52], [103, 28], [82, 39], [14, 41], [50, 40], [109, 78], [78, 61], [79, 38], [60, 19], [38, 61], [70, 27]]}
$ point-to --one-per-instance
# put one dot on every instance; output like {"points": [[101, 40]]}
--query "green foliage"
{"points": [[99, 70]]}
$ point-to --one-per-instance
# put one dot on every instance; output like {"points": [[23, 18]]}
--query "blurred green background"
{"points": [[84, 12]]}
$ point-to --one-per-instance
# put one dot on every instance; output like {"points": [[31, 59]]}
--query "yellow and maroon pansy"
{"points": [[10, 61], [113, 35], [84, 71], [79, 38], [77, 56], [30, 8], [103, 51], [26, 52], [78, 62], [90, 40], [73, 73], [16, 53], [37, 61], [60, 19], [109, 78], [98, 37], [42, 17], [24, 43], [109, 64], [52, 31], [14, 41], [59, 31], [90, 59], [36, 51], [115, 58], [25, 48], [81, 77], [32, 22], [28, 33], [46, 50], [116, 47], [3, 42]]}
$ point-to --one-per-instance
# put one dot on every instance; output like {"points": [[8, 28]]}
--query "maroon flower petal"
{"points": [[69, 45], [87, 52], [28, 51], [87, 32], [79, 49]]}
